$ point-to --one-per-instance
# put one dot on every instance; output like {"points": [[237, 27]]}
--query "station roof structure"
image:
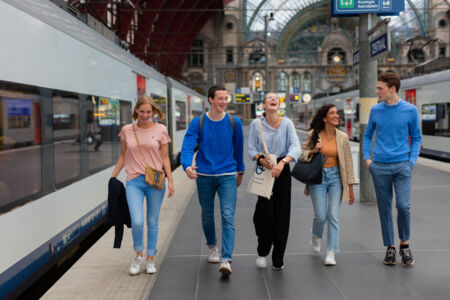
{"points": [[160, 32], [285, 10]]}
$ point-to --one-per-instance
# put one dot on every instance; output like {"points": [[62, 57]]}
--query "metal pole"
{"points": [[266, 42], [288, 96], [367, 99]]}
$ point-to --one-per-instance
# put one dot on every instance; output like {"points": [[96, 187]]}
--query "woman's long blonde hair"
{"points": [[148, 100]]}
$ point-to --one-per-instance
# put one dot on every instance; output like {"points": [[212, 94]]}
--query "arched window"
{"points": [[336, 56], [257, 56], [256, 82], [282, 82], [306, 82], [295, 80], [416, 55]]}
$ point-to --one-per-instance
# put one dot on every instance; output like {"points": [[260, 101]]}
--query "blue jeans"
{"points": [[227, 191], [136, 190], [331, 184], [385, 176]]}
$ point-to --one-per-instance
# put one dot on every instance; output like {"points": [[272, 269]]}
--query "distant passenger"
{"points": [[394, 121], [153, 151], [272, 216], [219, 167], [337, 178]]}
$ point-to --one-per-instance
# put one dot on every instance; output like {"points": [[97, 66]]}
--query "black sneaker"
{"points": [[407, 258], [389, 259]]}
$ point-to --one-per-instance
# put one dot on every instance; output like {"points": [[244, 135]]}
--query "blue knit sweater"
{"points": [[219, 152]]}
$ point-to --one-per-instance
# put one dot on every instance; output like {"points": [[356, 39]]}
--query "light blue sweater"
{"points": [[393, 125], [281, 142]]}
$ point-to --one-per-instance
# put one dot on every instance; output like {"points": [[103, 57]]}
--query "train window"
{"points": [[180, 114], [161, 101], [196, 113], [20, 143], [102, 117], [436, 119], [66, 137]]}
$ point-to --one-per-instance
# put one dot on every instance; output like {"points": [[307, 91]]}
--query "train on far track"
{"points": [[65, 93], [430, 93]]}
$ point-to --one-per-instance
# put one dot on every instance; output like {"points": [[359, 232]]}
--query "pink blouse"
{"points": [[151, 140]]}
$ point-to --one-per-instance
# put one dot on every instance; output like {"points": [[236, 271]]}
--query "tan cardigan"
{"points": [[344, 158]]}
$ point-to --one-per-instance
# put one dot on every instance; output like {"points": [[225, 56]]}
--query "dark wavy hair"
{"points": [[317, 124]]}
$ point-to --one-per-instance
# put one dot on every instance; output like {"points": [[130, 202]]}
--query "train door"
{"points": [[410, 96], [140, 86]]}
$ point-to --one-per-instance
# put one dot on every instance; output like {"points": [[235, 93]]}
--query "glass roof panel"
{"points": [[405, 24]]}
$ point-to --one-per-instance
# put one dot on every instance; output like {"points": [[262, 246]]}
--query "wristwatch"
{"points": [[285, 160]]}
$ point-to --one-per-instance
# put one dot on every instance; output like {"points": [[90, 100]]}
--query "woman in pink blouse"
{"points": [[154, 151]]}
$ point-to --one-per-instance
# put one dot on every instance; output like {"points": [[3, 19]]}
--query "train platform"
{"points": [[184, 273]]}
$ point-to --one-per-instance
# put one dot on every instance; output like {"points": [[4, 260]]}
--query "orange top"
{"points": [[329, 149], [151, 140]]}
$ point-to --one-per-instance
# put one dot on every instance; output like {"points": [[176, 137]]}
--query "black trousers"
{"points": [[272, 217]]}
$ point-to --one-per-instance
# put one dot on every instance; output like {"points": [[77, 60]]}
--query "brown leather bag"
{"points": [[153, 177]]}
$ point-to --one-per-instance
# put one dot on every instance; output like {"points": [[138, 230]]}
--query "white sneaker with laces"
{"points": [[225, 268], [261, 262], [135, 267], [314, 243], [150, 267], [329, 259], [214, 256]]}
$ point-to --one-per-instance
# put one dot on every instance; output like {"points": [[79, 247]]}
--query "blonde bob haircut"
{"points": [[148, 100]]}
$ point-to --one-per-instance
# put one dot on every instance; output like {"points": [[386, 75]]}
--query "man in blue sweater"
{"points": [[219, 168], [395, 122]]}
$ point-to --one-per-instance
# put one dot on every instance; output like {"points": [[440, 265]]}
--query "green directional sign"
{"points": [[343, 4]]}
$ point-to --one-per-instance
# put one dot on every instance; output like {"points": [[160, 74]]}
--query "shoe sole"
{"points": [[389, 263], [213, 261], [330, 265], [225, 271], [408, 265]]}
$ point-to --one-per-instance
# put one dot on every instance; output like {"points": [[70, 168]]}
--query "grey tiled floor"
{"points": [[359, 274]]}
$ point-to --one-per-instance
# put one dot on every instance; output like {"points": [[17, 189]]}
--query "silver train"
{"points": [[430, 93], [65, 92]]}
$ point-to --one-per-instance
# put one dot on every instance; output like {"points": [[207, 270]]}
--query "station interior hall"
{"points": [[72, 72]]}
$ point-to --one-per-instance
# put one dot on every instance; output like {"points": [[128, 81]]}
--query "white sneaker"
{"points": [[261, 262], [314, 243], [329, 259], [136, 265], [150, 267], [214, 256], [225, 268]]}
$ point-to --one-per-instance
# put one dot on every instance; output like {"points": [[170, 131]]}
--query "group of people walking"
{"points": [[219, 168]]}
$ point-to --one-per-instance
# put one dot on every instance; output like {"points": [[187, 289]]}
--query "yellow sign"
{"points": [[243, 98]]}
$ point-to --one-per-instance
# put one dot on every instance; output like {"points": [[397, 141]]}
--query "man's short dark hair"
{"points": [[212, 91], [391, 78]]}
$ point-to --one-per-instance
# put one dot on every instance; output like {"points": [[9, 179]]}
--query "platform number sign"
{"points": [[346, 4]]}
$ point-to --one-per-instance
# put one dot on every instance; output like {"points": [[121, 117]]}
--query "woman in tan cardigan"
{"points": [[337, 177]]}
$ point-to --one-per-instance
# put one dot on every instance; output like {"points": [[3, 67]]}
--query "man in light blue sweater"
{"points": [[219, 168], [395, 123]]}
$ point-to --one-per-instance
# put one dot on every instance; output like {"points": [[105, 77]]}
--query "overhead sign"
{"points": [[356, 7], [380, 45], [242, 98], [356, 58]]}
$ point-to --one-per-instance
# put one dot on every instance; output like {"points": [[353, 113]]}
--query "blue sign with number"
{"points": [[356, 7]]}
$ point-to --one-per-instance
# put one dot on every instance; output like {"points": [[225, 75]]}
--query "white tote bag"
{"points": [[261, 183]]}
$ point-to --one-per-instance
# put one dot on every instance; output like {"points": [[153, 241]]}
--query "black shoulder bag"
{"points": [[309, 172]]}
